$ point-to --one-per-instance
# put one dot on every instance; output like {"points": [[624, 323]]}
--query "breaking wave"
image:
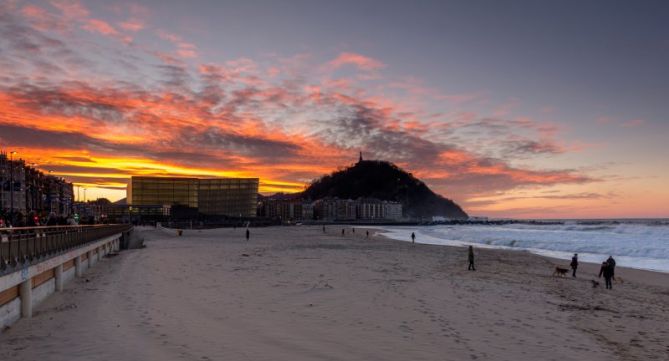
{"points": [[634, 244]]}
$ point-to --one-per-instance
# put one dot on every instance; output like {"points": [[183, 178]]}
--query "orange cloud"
{"points": [[132, 25], [360, 61], [184, 49], [99, 26], [71, 9]]}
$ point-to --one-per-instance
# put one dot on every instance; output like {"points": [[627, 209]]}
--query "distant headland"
{"points": [[384, 181]]}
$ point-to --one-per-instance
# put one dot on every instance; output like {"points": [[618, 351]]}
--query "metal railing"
{"points": [[26, 245]]}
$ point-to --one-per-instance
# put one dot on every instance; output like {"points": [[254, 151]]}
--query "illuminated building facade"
{"points": [[228, 196], [232, 197], [147, 191]]}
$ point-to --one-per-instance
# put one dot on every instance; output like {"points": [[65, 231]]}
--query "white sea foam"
{"points": [[633, 244]]}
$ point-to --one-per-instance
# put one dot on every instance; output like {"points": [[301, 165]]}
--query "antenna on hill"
{"points": [[360, 157]]}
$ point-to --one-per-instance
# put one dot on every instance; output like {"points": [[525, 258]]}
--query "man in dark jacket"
{"points": [[607, 272], [612, 263], [574, 264], [471, 259], [248, 234]]}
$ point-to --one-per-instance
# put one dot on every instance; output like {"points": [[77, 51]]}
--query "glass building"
{"points": [[148, 191], [233, 197]]}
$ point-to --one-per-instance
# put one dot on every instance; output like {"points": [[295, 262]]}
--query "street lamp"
{"points": [[31, 188], [50, 195], [11, 185]]}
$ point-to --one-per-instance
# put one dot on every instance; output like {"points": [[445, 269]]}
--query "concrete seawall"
{"points": [[24, 289]]}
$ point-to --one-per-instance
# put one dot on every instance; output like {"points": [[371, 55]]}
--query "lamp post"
{"points": [[11, 186], [31, 186], [50, 195]]}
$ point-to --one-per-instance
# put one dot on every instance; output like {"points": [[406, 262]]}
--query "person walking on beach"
{"points": [[343, 231], [367, 234], [413, 237], [607, 272], [574, 264], [612, 263], [471, 259], [323, 229], [352, 229], [248, 235]]}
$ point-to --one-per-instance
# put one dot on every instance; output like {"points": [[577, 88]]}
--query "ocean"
{"points": [[639, 243]]}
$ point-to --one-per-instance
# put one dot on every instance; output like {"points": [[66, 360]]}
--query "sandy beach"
{"points": [[295, 293]]}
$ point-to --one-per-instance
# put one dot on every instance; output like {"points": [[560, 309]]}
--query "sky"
{"points": [[520, 109]]}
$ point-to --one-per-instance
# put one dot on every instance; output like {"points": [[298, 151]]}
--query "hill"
{"points": [[385, 181]]}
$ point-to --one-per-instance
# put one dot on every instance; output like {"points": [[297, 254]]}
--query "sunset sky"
{"points": [[523, 109]]}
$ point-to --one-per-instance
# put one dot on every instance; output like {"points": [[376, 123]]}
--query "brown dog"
{"points": [[595, 284], [559, 271]]}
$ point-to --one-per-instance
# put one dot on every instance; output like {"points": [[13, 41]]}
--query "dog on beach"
{"points": [[559, 271], [595, 284]]}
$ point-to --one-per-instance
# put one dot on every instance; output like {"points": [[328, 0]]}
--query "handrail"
{"points": [[25, 245], [56, 226]]}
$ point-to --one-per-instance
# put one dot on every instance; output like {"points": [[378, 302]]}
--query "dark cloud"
{"points": [[364, 128], [23, 45], [56, 101], [62, 168], [57, 140], [527, 147], [31, 137], [175, 76], [192, 157], [100, 182], [256, 147], [75, 159]]}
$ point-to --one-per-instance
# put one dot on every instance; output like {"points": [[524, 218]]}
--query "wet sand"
{"points": [[294, 293]]}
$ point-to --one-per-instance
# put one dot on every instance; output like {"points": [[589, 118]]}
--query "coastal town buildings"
{"points": [[335, 209], [12, 179], [28, 196], [373, 209], [286, 208], [59, 196], [103, 211], [291, 208]]}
